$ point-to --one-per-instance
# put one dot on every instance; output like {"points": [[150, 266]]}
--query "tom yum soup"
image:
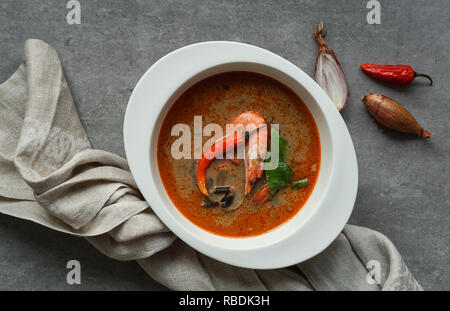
{"points": [[239, 154]]}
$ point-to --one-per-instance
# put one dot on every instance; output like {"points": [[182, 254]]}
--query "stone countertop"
{"points": [[404, 181]]}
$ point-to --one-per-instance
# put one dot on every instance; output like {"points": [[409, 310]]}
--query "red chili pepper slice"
{"points": [[262, 196], [398, 74]]}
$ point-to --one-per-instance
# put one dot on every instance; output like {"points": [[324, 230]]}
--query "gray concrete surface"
{"points": [[404, 181]]}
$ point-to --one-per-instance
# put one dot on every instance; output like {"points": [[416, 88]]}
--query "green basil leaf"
{"points": [[283, 144], [279, 177]]}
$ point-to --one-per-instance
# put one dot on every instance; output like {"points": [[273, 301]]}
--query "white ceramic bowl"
{"points": [[327, 210]]}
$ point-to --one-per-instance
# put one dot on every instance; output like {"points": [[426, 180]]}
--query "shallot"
{"points": [[391, 114], [328, 71]]}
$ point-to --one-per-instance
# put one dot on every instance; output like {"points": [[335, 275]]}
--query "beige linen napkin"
{"points": [[51, 175]]}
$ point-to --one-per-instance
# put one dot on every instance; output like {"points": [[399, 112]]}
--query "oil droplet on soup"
{"points": [[218, 99]]}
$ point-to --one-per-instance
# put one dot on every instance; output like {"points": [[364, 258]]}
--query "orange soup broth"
{"points": [[218, 99]]}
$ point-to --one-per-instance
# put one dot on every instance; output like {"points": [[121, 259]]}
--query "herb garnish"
{"points": [[279, 177], [300, 183]]}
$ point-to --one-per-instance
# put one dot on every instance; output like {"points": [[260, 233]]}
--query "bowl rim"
{"points": [[322, 227]]}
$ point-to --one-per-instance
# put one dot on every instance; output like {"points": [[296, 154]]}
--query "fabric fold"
{"points": [[51, 175]]}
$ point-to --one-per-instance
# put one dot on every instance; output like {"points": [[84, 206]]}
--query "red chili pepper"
{"points": [[399, 74], [262, 196]]}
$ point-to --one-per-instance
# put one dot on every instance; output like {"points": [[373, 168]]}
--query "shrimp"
{"points": [[221, 146], [257, 149], [257, 146]]}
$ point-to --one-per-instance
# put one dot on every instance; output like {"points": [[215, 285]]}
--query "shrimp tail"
{"points": [[201, 175]]}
